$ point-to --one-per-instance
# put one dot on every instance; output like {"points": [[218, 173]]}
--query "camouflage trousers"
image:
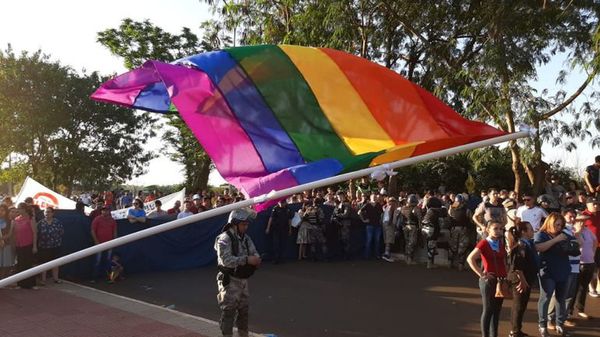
{"points": [[458, 244], [233, 301], [410, 238], [345, 236]]}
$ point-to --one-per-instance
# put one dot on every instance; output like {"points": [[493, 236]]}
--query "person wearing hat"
{"points": [[460, 225], [342, 216], [237, 260], [571, 203], [410, 217], [587, 265], [593, 224], [104, 228]]}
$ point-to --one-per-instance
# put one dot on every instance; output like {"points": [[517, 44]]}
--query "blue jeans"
{"points": [[548, 287], [571, 287], [373, 233], [490, 315], [102, 264]]}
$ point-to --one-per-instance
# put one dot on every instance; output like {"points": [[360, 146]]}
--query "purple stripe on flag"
{"points": [[124, 89]]}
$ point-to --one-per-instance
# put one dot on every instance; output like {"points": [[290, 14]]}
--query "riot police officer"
{"points": [[410, 216], [237, 260], [431, 227]]}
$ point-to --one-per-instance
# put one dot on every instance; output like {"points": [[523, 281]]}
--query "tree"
{"points": [[51, 130], [137, 42]]}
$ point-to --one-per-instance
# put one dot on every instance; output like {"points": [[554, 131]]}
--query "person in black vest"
{"points": [[460, 226], [279, 227], [237, 259], [431, 227], [591, 177]]}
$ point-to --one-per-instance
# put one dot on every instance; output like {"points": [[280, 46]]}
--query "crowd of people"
{"points": [[550, 240]]}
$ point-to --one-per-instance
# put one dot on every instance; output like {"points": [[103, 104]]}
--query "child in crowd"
{"points": [[116, 269]]}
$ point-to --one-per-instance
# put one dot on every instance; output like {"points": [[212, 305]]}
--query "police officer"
{"points": [[431, 227], [237, 260], [460, 225], [409, 216], [342, 216]]}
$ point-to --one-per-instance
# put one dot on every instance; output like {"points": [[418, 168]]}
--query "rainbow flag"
{"points": [[272, 117]]}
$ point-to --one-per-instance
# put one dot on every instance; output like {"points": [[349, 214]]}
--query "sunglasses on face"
{"points": [[527, 199]]}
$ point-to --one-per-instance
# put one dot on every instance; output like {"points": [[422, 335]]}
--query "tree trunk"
{"points": [[393, 185], [516, 163]]}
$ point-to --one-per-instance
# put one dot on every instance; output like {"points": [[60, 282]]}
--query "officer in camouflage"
{"points": [[460, 225], [410, 216], [237, 260], [342, 216]]}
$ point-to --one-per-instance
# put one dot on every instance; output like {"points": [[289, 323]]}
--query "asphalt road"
{"points": [[343, 299]]}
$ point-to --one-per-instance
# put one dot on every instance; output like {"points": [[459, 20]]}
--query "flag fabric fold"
{"points": [[272, 117]]}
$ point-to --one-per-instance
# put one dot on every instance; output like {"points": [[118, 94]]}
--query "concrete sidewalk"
{"points": [[68, 309]]}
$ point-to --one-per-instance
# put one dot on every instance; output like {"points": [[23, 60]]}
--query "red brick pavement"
{"points": [[53, 313]]}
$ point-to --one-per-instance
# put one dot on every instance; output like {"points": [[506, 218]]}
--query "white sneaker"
{"points": [[388, 258], [594, 294]]}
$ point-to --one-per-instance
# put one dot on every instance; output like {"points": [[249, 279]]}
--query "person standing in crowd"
{"points": [[187, 210], [108, 199], [531, 213], [431, 227], [491, 209], [556, 191], [411, 217], [593, 224], [197, 204], [591, 178], [370, 213], [510, 205], [237, 259], [493, 254], [546, 203], [206, 204], [158, 212], [389, 227], [314, 216], [342, 216], [8, 202], [524, 266], [571, 291], [555, 269], [460, 225], [97, 210], [26, 243], [303, 239], [38, 214], [50, 235], [175, 209], [7, 247], [587, 265], [280, 229], [137, 213], [104, 228], [126, 200]]}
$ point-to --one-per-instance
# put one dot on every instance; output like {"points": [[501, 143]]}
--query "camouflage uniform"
{"points": [[459, 234], [233, 291], [412, 220], [343, 218]]}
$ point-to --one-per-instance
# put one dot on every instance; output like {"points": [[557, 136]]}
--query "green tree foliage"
{"points": [[478, 56], [137, 42], [55, 133]]}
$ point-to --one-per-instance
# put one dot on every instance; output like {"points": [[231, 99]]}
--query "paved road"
{"points": [[342, 299]]}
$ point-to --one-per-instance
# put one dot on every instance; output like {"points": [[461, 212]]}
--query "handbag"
{"points": [[502, 284]]}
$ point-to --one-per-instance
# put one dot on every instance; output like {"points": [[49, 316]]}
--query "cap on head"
{"points": [[240, 215], [196, 197], [508, 203], [459, 198], [592, 200]]}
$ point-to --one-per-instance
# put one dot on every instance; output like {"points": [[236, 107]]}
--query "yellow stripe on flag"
{"points": [[396, 153], [341, 104]]}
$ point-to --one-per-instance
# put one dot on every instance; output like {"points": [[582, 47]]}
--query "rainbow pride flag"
{"points": [[272, 117]]}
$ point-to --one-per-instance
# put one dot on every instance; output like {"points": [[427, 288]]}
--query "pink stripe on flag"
{"points": [[207, 114], [124, 89]]}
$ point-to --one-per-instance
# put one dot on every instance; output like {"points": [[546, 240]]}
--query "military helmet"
{"points": [[412, 200], [544, 198], [240, 215]]}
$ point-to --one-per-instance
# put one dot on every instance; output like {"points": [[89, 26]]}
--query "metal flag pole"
{"points": [[525, 132]]}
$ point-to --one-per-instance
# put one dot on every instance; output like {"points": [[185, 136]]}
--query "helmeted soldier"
{"points": [[431, 227], [237, 260], [460, 226], [409, 217], [342, 216]]}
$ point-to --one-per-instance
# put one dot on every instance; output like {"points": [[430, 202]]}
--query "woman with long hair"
{"points": [[492, 252], [524, 269], [7, 248], [25, 242], [554, 272]]}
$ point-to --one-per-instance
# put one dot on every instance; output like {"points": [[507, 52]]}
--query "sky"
{"points": [[67, 31]]}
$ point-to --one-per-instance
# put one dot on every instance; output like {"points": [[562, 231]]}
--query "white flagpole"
{"points": [[259, 199]]}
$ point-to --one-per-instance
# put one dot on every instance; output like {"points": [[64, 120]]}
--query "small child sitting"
{"points": [[116, 269]]}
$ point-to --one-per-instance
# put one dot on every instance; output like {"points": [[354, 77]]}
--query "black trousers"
{"points": [[25, 260], [519, 305], [586, 272], [279, 240]]}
